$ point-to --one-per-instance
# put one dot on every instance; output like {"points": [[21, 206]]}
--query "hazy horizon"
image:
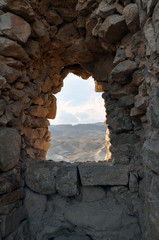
{"points": [[78, 103]]}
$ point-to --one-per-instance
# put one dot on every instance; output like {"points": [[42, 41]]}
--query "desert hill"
{"points": [[82, 142]]}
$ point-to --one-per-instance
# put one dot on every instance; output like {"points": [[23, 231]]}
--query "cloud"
{"points": [[89, 112]]}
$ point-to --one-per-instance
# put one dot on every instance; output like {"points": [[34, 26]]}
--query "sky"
{"points": [[78, 102]]}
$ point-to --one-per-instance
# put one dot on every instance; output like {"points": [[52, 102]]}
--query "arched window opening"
{"points": [[78, 131]]}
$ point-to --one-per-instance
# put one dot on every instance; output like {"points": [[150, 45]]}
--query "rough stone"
{"points": [[9, 181], [19, 7], [40, 178], [91, 194], [8, 27], [150, 35], [10, 74], [150, 153], [38, 111], [104, 10], [155, 19], [131, 14], [67, 181], [10, 48], [109, 29], [35, 205], [101, 174], [123, 70], [12, 221], [54, 18], [10, 146]]}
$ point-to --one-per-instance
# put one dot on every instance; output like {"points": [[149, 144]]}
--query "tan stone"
{"points": [[54, 18], [42, 145], [47, 85], [8, 27], [38, 111], [31, 133], [38, 101]]}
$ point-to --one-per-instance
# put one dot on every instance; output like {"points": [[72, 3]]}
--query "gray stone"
{"points": [[150, 154], [10, 180], [150, 35], [72, 237], [10, 48], [131, 14], [40, 177], [12, 221], [67, 181], [104, 10], [35, 205], [8, 27], [19, 7], [103, 215], [109, 29], [10, 147], [92, 174], [153, 110], [120, 56], [9, 73], [3, 82], [150, 5], [151, 217], [91, 194], [155, 19], [123, 70]]}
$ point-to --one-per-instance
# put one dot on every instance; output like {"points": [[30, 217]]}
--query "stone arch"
{"points": [[117, 44]]}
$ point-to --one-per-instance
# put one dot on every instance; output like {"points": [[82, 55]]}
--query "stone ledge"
{"points": [[92, 174]]}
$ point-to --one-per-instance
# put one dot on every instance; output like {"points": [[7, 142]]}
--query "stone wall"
{"points": [[116, 42]]}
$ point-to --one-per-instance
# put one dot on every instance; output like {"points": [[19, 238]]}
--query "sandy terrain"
{"points": [[82, 142]]}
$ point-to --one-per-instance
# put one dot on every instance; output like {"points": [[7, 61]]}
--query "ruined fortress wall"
{"points": [[115, 42]]}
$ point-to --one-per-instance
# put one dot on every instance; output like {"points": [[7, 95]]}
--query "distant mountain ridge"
{"points": [[81, 142], [77, 130]]}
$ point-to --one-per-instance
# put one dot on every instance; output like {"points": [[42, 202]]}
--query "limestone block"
{"points": [[150, 154], [9, 73], [10, 181], [103, 215], [10, 146], [12, 221], [38, 111], [91, 194], [72, 237], [141, 102], [8, 27], [67, 181], [131, 14], [155, 20], [19, 7], [67, 33], [42, 145], [153, 110], [136, 112], [10, 48], [150, 35], [150, 5], [92, 174], [104, 9], [40, 177], [35, 205], [52, 108], [12, 197], [123, 70], [151, 206], [3, 82], [109, 29], [54, 18]]}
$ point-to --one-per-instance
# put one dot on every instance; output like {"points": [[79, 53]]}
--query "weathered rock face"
{"points": [[116, 42]]}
